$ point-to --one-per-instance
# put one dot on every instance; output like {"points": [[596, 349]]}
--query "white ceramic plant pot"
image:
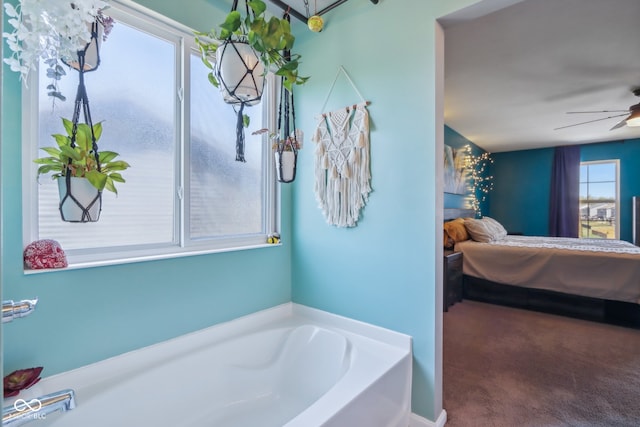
{"points": [[82, 203], [285, 166], [92, 52], [240, 73]]}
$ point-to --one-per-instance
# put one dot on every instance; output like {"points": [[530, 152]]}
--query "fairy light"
{"points": [[481, 184]]}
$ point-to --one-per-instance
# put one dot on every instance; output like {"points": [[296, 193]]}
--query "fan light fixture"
{"points": [[634, 118]]}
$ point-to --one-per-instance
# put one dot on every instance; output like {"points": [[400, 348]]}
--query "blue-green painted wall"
{"points": [[455, 140], [91, 314], [383, 271], [520, 199], [520, 196]]}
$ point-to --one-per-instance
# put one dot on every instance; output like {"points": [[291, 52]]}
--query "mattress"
{"points": [[597, 268]]}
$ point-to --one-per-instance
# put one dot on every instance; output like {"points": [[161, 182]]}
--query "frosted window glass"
{"points": [[133, 93], [226, 196]]}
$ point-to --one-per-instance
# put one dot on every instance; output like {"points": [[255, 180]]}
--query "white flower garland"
{"points": [[48, 29]]}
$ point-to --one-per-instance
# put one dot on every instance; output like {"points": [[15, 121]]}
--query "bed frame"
{"points": [[606, 311], [600, 310]]}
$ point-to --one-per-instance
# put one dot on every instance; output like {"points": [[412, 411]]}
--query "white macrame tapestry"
{"points": [[342, 165]]}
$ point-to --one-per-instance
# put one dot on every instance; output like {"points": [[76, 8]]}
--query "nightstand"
{"points": [[452, 275]]}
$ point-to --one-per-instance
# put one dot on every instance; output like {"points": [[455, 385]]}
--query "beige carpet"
{"points": [[510, 367]]}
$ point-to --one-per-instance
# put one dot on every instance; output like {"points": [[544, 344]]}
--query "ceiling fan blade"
{"points": [[620, 124], [590, 121], [601, 111]]}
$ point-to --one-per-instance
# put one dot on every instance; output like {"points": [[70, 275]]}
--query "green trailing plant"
{"points": [[268, 37], [80, 160]]}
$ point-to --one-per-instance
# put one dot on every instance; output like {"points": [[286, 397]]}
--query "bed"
{"points": [[588, 278]]}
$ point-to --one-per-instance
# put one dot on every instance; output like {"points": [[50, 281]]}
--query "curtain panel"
{"points": [[564, 206]]}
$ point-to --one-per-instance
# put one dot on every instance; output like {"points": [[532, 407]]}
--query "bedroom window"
{"points": [[184, 192], [599, 196]]}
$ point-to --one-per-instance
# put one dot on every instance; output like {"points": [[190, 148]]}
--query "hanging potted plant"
{"points": [[54, 31], [285, 153], [286, 158], [244, 50], [82, 173]]}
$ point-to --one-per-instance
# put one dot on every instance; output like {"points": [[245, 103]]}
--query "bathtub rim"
{"points": [[248, 323]]}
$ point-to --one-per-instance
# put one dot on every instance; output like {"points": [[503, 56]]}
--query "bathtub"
{"points": [[290, 366]]}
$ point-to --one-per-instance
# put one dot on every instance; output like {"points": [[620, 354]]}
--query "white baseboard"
{"points": [[418, 421]]}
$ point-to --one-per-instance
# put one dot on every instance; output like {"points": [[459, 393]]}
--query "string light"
{"points": [[481, 184]]}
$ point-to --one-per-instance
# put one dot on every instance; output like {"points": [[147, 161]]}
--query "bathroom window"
{"points": [[184, 192]]}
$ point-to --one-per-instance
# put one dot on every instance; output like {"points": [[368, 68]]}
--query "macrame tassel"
{"points": [[344, 206], [240, 135], [354, 158], [346, 170], [336, 201], [316, 136], [325, 161], [334, 172]]}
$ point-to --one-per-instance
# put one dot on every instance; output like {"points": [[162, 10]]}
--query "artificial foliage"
{"points": [[53, 31]]}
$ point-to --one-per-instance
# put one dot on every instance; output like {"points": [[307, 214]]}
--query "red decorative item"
{"points": [[21, 379], [44, 253]]}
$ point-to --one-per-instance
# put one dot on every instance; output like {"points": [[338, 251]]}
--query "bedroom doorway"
{"points": [[487, 338]]}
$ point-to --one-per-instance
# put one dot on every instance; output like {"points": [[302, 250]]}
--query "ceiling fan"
{"points": [[632, 113]]}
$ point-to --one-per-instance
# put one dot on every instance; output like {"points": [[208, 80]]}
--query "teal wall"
{"points": [[520, 196], [520, 199], [91, 314], [383, 271], [455, 140]]}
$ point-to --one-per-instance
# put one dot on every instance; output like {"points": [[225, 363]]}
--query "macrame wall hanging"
{"points": [[342, 166]]}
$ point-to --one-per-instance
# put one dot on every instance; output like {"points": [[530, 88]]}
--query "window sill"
{"points": [[76, 263]]}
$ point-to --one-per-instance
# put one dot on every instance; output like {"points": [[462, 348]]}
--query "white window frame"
{"points": [[617, 196], [182, 245]]}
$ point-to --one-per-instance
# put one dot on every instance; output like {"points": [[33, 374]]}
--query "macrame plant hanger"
{"points": [[286, 126], [232, 95], [82, 103], [342, 160]]}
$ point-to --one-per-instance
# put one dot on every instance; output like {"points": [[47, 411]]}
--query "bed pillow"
{"points": [[499, 232], [478, 230], [456, 230], [485, 229]]}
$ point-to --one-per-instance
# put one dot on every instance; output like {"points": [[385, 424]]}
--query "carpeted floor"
{"points": [[509, 367]]}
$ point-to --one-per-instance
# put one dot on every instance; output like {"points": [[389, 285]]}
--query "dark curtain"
{"points": [[564, 207]]}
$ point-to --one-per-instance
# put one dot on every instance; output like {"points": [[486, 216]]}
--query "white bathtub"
{"points": [[287, 366]]}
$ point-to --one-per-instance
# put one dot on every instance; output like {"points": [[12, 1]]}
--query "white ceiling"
{"points": [[513, 68]]}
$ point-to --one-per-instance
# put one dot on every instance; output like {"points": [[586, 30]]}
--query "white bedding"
{"points": [[607, 269]]}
